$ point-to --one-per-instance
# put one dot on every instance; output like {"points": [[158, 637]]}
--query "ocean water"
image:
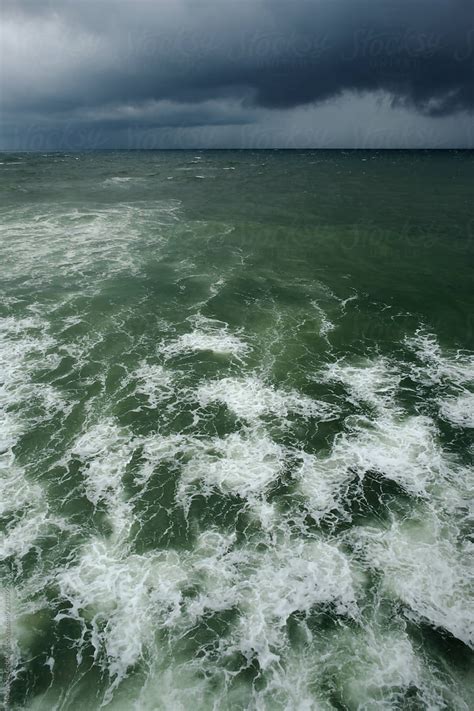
{"points": [[237, 394]]}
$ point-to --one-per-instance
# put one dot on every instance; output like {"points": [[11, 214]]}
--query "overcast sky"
{"points": [[236, 73]]}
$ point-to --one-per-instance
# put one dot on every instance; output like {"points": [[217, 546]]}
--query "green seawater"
{"points": [[237, 394]]}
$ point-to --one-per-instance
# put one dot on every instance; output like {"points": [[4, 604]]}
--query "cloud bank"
{"points": [[222, 72]]}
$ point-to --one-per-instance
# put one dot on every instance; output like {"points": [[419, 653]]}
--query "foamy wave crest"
{"points": [[294, 576], [154, 381], [373, 382], [450, 373], [250, 399], [25, 348], [401, 449], [385, 671], [459, 410], [208, 335], [123, 182], [438, 366], [115, 596], [237, 464], [31, 530], [106, 451], [426, 569], [266, 584], [84, 245], [390, 443], [16, 491]]}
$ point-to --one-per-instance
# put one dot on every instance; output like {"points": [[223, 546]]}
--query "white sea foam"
{"points": [[384, 662], [294, 576], [266, 583], [84, 244], [374, 382], [384, 670], [16, 492], [31, 530], [322, 482], [208, 335], [250, 399], [236, 464], [438, 366], [12, 428], [106, 451], [425, 568], [154, 381], [157, 449], [343, 302], [115, 595], [451, 372], [458, 410], [31, 522], [404, 450], [124, 181], [25, 347], [269, 581], [119, 594], [400, 447], [325, 324]]}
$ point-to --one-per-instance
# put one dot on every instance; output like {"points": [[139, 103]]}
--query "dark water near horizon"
{"points": [[237, 393]]}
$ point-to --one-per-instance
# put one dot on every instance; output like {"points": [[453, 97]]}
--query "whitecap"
{"points": [[106, 450], [115, 594], [402, 449], [250, 399], [458, 410], [427, 570], [440, 366], [241, 465], [371, 381], [208, 335], [154, 381]]}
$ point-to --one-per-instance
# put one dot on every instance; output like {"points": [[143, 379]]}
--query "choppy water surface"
{"points": [[237, 395]]}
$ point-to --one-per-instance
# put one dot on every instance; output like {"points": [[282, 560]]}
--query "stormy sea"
{"points": [[237, 393]]}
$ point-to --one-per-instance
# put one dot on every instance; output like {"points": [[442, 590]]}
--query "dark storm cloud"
{"points": [[164, 63]]}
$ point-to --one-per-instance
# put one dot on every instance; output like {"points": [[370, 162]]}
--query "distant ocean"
{"points": [[237, 395]]}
